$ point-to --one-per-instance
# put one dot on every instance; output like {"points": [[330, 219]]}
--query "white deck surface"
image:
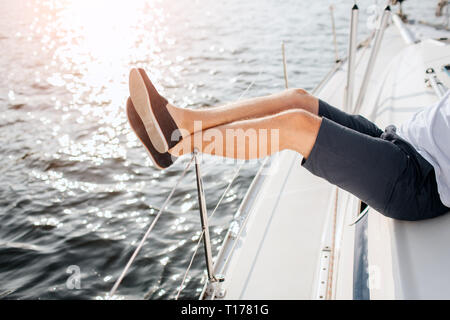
{"points": [[285, 225], [416, 252]]}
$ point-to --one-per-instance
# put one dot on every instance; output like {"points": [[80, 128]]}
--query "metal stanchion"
{"points": [[351, 59], [204, 219], [372, 59]]}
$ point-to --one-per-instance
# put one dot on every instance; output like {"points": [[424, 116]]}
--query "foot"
{"points": [[152, 108], [160, 160]]}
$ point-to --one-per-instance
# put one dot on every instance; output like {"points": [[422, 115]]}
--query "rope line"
{"points": [[139, 247], [189, 266], [329, 291]]}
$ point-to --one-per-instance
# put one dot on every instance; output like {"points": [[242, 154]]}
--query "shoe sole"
{"points": [[142, 104], [161, 161]]}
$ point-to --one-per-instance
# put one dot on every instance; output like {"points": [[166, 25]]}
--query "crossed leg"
{"points": [[350, 151], [256, 138], [293, 99], [250, 129], [292, 116]]}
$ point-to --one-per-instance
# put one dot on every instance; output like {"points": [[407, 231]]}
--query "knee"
{"points": [[299, 131], [301, 99], [299, 117], [296, 93]]}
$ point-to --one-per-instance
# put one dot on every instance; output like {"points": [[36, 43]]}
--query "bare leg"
{"points": [[256, 138], [241, 110]]}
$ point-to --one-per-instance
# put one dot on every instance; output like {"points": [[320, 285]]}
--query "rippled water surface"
{"points": [[76, 187]]}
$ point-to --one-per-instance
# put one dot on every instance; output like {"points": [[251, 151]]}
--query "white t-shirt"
{"points": [[429, 132]]}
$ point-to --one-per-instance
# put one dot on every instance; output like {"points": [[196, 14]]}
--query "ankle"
{"points": [[184, 118]]}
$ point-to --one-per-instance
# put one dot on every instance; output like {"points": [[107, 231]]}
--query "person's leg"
{"points": [[293, 99], [366, 166], [257, 108], [242, 110], [352, 121], [256, 138], [190, 121]]}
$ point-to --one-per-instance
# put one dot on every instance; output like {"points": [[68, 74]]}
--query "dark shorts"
{"points": [[379, 167]]}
